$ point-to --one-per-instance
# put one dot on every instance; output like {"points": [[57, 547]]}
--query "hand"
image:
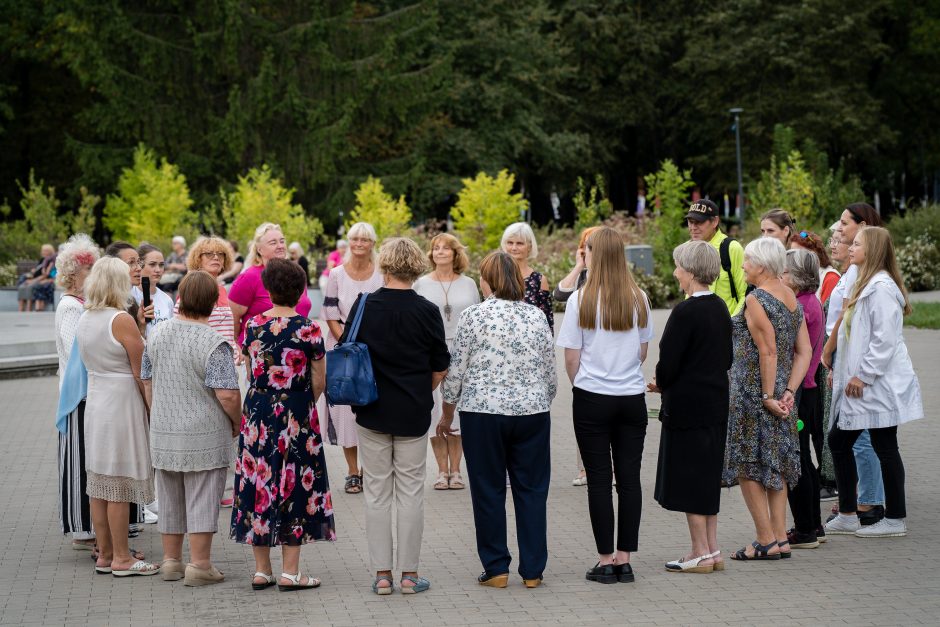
{"points": [[239, 359], [579, 258], [652, 387], [829, 379], [235, 431], [788, 400], [444, 427], [828, 351], [775, 407], [854, 387], [148, 311]]}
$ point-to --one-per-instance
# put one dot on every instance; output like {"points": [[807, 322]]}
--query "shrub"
{"points": [[152, 203], [373, 205], [485, 207], [916, 221], [658, 290], [786, 184], [919, 261], [258, 198], [8, 274], [591, 206]]}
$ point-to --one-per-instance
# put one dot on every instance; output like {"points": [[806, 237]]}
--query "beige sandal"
{"points": [[442, 481], [456, 482], [172, 569]]}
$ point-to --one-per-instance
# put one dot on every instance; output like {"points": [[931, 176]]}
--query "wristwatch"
{"points": [[765, 396]]}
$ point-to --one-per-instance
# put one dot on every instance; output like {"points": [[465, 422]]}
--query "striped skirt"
{"points": [[74, 509]]}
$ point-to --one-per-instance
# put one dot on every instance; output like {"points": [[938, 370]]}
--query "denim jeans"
{"points": [[871, 489]]}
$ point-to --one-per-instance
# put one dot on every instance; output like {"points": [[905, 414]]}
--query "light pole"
{"points": [[739, 210]]}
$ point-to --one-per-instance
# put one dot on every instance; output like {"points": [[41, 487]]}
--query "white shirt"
{"points": [[162, 306], [610, 360], [840, 293]]}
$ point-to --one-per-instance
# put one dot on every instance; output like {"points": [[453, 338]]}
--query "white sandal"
{"points": [[719, 564], [442, 482], [140, 568], [312, 582], [268, 580], [691, 566]]}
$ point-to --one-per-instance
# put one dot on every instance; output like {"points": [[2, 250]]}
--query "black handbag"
{"points": [[349, 376]]}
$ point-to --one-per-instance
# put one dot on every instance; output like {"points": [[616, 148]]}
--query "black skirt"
{"points": [[688, 474]]}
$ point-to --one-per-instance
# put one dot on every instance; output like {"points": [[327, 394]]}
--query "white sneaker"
{"points": [[842, 525], [884, 528], [154, 507], [149, 517]]}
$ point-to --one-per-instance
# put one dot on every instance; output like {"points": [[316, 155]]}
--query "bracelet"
{"points": [[789, 390]]}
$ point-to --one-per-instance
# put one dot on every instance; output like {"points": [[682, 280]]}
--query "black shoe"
{"points": [[827, 493], [603, 574], [821, 534], [799, 540], [872, 516], [833, 513], [624, 573]]}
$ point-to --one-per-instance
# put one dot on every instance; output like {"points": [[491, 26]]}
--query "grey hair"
{"points": [[767, 253], [803, 266], [700, 259], [523, 230], [78, 252], [179, 239]]}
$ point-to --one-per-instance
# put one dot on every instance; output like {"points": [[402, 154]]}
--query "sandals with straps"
{"points": [[693, 565], [719, 563], [761, 552], [382, 590], [268, 580], [442, 481], [353, 484], [312, 582], [785, 554], [420, 584]]}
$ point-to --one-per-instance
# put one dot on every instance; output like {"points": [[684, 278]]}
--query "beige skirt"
{"points": [[119, 489]]}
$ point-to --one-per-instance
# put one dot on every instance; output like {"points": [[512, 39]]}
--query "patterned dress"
{"points": [[762, 447], [282, 493], [535, 295], [827, 472]]}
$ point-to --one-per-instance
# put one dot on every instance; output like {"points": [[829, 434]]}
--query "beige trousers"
{"points": [[393, 465]]}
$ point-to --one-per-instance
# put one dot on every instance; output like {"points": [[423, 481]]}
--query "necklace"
{"points": [[447, 308]]}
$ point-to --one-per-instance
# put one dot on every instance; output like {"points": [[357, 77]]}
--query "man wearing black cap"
{"points": [[703, 222]]}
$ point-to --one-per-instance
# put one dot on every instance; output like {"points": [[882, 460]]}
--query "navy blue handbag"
{"points": [[349, 377]]}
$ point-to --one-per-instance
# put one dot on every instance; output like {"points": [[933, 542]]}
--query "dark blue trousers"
{"points": [[494, 444]]}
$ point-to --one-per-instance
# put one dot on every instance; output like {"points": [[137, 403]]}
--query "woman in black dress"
{"points": [[692, 374]]}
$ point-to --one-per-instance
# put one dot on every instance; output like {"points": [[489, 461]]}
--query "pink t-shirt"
{"points": [[337, 258], [249, 292], [815, 326]]}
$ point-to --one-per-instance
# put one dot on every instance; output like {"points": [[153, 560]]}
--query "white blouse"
{"points": [[503, 361], [67, 314], [458, 294]]}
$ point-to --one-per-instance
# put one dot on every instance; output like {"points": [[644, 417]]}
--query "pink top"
{"points": [[221, 319], [249, 292], [337, 258], [816, 327]]}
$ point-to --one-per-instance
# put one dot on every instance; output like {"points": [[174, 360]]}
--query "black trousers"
{"points": [[885, 443], [804, 498], [606, 426], [493, 445]]}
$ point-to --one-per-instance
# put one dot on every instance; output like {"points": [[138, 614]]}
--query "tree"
{"points": [[388, 216], [485, 207], [258, 198], [152, 202], [668, 189]]}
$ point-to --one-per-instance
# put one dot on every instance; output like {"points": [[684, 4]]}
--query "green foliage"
{"points": [[8, 274], [915, 222], [152, 203], [388, 216], [485, 207], [924, 316], [259, 197], [591, 206], [787, 184], [668, 189], [919, 261]]}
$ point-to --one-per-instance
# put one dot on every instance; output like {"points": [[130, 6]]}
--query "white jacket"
{"points": [[874, 351]]}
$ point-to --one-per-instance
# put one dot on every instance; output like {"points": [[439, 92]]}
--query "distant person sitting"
{"points": [[37, 287], [175, 266]]}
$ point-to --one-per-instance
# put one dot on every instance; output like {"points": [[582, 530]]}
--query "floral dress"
{"points": [[762, 447], [535, 295], [282, 493]]}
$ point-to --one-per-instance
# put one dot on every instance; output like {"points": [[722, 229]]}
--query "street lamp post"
{"points": [[739, 210]]}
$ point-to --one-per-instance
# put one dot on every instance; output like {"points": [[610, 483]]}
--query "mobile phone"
{"points": [[145, 288]]}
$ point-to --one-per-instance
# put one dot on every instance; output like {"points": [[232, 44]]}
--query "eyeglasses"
{"points": [[213, 255], [134, 262]]}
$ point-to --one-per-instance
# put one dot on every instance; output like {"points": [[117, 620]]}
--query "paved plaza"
{"points": [[846, 581]]}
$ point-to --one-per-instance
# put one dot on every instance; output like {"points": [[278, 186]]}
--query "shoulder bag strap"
{"points": [[725, 254], [357, 319]]}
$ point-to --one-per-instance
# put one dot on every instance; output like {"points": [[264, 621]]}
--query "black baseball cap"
{"points": [[702, 210]]}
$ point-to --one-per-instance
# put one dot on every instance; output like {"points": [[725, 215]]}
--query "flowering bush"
{"points": [[919, 260]]}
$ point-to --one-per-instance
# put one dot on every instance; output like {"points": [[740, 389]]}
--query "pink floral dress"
{"points": [[282, 493]]}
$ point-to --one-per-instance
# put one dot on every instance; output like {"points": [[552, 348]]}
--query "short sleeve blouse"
{"points": [[249, 292]]}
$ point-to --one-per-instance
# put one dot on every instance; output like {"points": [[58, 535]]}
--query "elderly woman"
{"points": [[771, 356], [519, 243], [605, 334], [874, 383], [777, 224], [117, 451], [405, 336], [73, 264], [191, 387], [452, 292], [359, 274], [802, 276], [215, 256], [503, 381], [175, 265], [152, 267], [282, 492], [248, 296], [828, 275], [695, 355], [37, 288]]}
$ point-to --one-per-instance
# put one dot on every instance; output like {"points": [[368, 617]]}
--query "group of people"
{"points": [[153, 391]]}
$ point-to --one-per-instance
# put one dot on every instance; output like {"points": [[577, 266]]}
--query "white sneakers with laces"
{"points": [[843, 525], [884, 528]]}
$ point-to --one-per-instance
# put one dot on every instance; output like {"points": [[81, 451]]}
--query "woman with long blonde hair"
{"points": [[605, 334], [874, 385]]}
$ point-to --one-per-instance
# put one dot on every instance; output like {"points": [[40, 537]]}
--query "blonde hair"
{"points": [[610, 284], [108, 285], [879, 256], [77, 253], [361, 229], [252, 258], [210, 245], [523, 230], [401, 258], [461, 261]]}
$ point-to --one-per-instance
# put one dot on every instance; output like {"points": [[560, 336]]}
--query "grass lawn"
{"points": [[925, 316]]}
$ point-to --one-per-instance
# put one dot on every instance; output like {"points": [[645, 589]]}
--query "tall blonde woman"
{"points": [[519, 242], [452, 292], [605, 334], [358, 274], [117, 449]]}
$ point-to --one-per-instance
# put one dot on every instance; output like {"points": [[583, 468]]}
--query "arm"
{"points": [[570, 282], [572, 363], [802, 356], [440, 355], [544, 284], [436, 378], [548, 356], [231, 402], [234, 271], [885, 318], [765, 338], [125, 331], [736, 253], [830, 348], [336, 329], [672, 349], [318, 377]]}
